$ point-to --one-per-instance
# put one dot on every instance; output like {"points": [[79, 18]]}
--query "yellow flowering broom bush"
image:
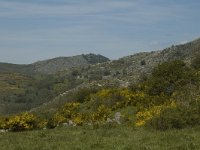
{"points": [[23, 121], [115, 98], [144, 116], [2, 122], [68, 112], [101, 114], [79, 119]]}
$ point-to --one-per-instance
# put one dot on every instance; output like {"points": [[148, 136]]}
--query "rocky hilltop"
{"points": [[134, 66], [62, 63], [54, 65]]}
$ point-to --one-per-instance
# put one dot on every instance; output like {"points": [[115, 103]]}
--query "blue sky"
{"points": [[32, 30]]}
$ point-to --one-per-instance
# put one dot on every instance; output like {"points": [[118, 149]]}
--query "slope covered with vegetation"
{"points": [[26, 86], [94, 93], [168, 99], [106, 106], [54, 65], [19, 92], [62, 63]]}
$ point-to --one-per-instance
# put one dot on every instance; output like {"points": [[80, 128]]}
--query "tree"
{"points": [[168, 77], [195, 63]]}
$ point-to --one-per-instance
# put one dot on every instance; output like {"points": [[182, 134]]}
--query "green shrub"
{"points": [[168, 119], [170, 76], [83, 94], [195, 63], [51, 124], [146, 115], [177, 117]]}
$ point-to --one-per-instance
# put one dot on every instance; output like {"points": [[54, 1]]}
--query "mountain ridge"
{"points": [[91, 71], [129, 69], [54, 65]]}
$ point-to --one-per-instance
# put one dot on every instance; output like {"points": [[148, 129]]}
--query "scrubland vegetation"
{"points": [[159, 111], [168, 99]]}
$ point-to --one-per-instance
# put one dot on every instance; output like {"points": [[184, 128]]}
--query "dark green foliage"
{"points": [[143, 62], [83, 94], [7, 67], [170, 76], [51, 124], [93, 59], [196, 62], [178, 118], [19, 92], [168, 119]]}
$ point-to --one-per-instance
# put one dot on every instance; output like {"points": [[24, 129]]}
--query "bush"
{"points": [[146, 115], [101, 114], [168, 119], [83, 94], [23, 121], [177, 117], [168, 77], [195, 63], [51, 123], [64, 114], [79, 119], [114, 98], [2, 122], [69, 110], [55, 120]]}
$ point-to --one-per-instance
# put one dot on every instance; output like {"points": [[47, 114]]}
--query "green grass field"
{"points": [[78, 138]]}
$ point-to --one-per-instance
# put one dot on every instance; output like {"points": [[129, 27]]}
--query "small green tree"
{"points": [[195, 63], [168, 77]]}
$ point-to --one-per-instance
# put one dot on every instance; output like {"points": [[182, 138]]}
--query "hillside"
{"points": [[20, 92], [105, 97], [8, 67], [43, 92], [54, 65], [134, 66], [63, 63], [167, 99], [125, 71]]}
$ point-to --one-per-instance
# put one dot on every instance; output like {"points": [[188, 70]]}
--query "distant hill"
{"points": [[54, 65], [7, 67], [62, 63]]}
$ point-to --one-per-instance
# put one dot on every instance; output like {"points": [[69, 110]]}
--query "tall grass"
{"points": [[86, 138]]}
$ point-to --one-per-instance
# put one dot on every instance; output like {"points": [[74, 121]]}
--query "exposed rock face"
{"points": [[118, 116], [3, 131]]}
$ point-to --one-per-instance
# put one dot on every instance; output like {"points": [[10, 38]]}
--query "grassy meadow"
{"points": [[86, 138]]}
